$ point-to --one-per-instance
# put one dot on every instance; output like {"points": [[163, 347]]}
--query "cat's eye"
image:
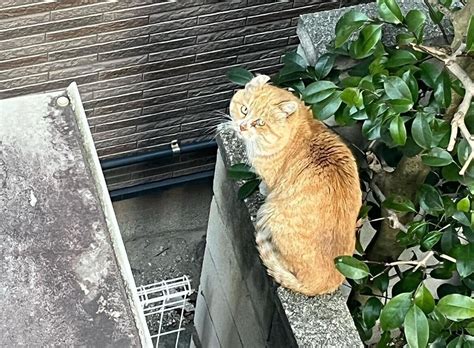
{"points": [[243, 110], [260, 123]]}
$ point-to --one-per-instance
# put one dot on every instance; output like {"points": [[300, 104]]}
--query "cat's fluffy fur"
{"points": [[309, 216]]}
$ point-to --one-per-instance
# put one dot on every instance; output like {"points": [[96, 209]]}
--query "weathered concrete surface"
{"points": [[60, 284], [316, 30], [256, 310]]}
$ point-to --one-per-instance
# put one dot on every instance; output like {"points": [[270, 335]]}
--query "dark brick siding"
{"points": [[148, 71]]}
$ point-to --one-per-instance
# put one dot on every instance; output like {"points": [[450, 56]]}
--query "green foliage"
{"points": [[394, 312], [241, 171], [351, 267], [248, 188], [416, 327], [239, 76], [398, 96]]}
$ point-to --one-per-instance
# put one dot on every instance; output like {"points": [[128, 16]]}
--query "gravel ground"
{"points": [[164, 235]]}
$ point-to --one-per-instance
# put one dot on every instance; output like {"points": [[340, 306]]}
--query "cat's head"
{"points": [[261, 113]]}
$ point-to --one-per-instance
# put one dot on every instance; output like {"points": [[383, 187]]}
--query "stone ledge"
{"points": [[314, 321]]}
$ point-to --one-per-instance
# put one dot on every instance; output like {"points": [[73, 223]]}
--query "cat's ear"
{"points": [[288, 107], [257, 81]]}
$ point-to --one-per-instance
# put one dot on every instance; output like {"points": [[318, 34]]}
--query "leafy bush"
{"points": [[412, 104]]}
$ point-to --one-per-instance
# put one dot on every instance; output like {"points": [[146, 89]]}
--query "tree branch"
{"points": [[457, 123]]}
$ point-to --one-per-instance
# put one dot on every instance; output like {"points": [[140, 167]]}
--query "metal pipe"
{"points": [[126, 161], [136, 190]]}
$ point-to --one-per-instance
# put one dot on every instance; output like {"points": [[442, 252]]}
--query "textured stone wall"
{"points": [[149, 71]]}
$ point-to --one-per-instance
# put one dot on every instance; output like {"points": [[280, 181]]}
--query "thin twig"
{"points": [[457, 123], [447, 257]]}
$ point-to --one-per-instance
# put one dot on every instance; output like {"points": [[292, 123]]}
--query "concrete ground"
{"points": [[164, 234]]}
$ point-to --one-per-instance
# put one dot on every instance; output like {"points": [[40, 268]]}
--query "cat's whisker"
{"points": [[226, 117], [219, 113]]}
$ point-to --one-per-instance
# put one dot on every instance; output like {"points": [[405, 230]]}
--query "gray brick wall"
{"points": [[149, 71]]}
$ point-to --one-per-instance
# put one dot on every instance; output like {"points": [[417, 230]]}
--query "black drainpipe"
{"points": [[174, 149]]}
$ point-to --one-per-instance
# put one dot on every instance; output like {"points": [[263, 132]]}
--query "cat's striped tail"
{"points": [[277, 268]]}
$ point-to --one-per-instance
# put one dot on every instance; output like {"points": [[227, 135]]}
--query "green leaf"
{"points": [[318, 91], [418, 228], [371, 311], [451, 173], [423, 299], [248, 188], [398, 132], [349, 23], [351, 268], [430, 199], [389, 11], [464, 205], [430, 240], [416, 328], [401, 58], [465, 260], [405, 39], [364, 211], [381, 282], [328, 106], [296, 59], [469, 282], [441, 131], [446, 289], [324, 65], [415, 21], [400, 204], [429, 74], [463, 152], [394, 312], [439, 342], [411, 83], [456, 307], [437, 16], [470, 35], [409, 282], [375, 109], [442, 91], [448, 241], [441, 273], [385, 340], [470, 327], [437, 157], [352, 97], [421, 131], [456, 342], [400, 105], [366, 43], [462, 218], [396, 88], [241, 171], [239, 76], [371, 129], [351, 81]]}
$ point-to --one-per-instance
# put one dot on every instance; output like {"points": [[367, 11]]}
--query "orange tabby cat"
{"points": [[309, 216]]}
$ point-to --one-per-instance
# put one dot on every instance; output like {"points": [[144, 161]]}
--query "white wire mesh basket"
{"points": [[163, 304]]}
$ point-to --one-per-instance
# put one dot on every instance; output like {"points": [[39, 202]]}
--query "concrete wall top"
{"points": [[65, 278]]}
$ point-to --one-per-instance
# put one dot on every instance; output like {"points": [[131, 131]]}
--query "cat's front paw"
{"points": [[263, 188]]}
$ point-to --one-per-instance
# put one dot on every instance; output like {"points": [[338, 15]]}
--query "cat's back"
{"points": [[329, 155]]}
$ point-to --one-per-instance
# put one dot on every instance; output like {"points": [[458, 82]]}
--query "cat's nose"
{"points": [[242, 127]]}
